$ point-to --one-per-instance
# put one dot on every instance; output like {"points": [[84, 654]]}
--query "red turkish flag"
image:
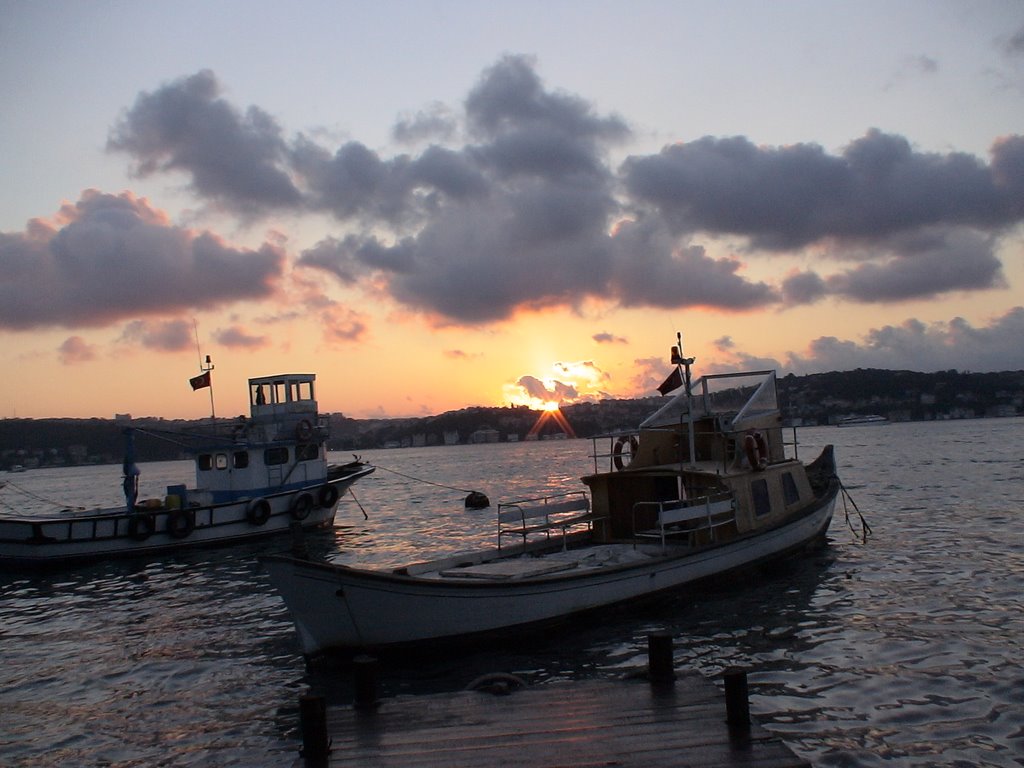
{"points": [[200, 381]]}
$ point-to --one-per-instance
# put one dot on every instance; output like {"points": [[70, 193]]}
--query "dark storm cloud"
{"points": [[789, 197], [529, 213], [233, 157], [925, 264], [110, 257]]}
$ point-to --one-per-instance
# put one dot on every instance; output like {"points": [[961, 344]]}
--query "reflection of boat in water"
{"points": [[870, 420], [705, 488], [253, 478]]}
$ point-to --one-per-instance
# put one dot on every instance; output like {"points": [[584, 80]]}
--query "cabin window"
{"points": [[241, 459], [306, 452], [789, 489], [272, 456], [220, 461], [204, 462], [762, 500]]}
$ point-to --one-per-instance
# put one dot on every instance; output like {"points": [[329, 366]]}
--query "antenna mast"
{"points": [[205, 368]]}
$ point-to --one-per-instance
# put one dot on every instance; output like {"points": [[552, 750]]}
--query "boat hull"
{"points": [[81, 536], [339, 608]]}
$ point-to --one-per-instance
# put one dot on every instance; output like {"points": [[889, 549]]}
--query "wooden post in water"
{"points": [[660, 667], [364, 674], [737, 703], [316, 744]]}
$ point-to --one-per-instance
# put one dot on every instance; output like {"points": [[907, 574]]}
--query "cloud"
{"points": [[789, 197], [609, 338], [528, 212], [108, 258], [555, 391], [238, 338], [162, 335], [76, 350], [342, 325], [918, 346], [459, 354], [232, 157], [437, 121]]}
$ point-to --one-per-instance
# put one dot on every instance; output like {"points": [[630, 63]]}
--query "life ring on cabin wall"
{"points": [[328, 496], [301, 506], [617, 451], [181, 523], [304, 430], [141, 527], [752, 447], [258, 512]]}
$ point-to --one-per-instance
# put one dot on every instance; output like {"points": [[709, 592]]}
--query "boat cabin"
{"points": [[282, 445], [718, 445]]}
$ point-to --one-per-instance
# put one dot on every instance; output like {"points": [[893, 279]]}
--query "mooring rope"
{"points": [[475, 499], [865, 529], [421, 480], [37, 497]]}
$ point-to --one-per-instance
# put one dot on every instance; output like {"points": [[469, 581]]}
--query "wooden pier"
{"points": [[681, 722]]}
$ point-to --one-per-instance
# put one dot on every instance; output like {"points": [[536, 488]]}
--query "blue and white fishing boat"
{"points": [[253, 477]]}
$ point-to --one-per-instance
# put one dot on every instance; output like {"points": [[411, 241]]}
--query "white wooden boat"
{"points": [[704, 488], [254, 478]]}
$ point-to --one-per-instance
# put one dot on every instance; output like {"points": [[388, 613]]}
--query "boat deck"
{"points": [[527, 566], [588, 723]]}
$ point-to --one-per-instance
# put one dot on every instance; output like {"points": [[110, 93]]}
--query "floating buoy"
{"points": [[477, 500]]}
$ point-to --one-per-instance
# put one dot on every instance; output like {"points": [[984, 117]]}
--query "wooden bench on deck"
{"points": [[544, 515], [685, 516]]}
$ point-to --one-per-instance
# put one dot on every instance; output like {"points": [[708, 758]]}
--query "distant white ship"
{"points": [[872, 420]]}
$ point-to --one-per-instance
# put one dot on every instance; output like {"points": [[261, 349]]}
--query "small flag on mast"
{"points": [[673, 382], [200, 381]]}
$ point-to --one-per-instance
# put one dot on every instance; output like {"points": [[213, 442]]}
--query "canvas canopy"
{"points": [[740, 400]]}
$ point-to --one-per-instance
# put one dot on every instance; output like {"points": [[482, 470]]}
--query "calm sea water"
{"points": [[905, 651]]}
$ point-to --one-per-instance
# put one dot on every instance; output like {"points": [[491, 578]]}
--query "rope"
{"points": [[421, 480], [353, 494], [37, 497], [865, 529]]}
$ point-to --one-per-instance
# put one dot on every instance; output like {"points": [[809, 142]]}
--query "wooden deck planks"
{"points": [[565, 725]]}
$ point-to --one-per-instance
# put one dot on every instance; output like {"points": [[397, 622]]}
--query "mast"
{"points": [[204, 371], [683, 366]]}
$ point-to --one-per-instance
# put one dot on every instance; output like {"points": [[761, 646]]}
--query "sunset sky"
{"points": [[444, 203]]}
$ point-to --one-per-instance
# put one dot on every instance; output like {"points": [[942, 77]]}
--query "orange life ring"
{"points": [[751, 448], [621, 443]]}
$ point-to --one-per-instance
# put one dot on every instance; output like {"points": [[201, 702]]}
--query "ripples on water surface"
{"points": [[904, 652]]}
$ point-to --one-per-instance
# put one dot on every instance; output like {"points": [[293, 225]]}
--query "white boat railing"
{"points": [[685, 516]]}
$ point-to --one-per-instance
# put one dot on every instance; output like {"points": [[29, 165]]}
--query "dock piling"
{"points": [[364, 673], [737, 702], [660, 665], [313, 722]]}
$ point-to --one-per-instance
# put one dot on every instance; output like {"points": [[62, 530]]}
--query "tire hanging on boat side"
{"points": [[258, 512], [141, 526], [181, 523], [328, 496], [301, 506]]}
